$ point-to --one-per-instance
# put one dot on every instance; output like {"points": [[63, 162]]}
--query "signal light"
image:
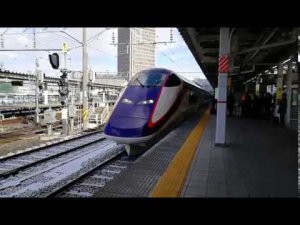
{"points": [[64, 75]]}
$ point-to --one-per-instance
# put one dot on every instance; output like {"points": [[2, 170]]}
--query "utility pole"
{"points": [[37, 92], [84, 81], [65, 55], [65, 92], [131, 54]]}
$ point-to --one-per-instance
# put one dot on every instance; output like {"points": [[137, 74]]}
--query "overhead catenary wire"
{"points": [[165, 55], [102, 51], [60, 35]]}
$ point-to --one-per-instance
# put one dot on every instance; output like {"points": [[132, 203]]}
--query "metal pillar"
{"points": [[246, 87], [257, 87], [103, 96], [289, 92], [64, 118], [45, 94], [131, 53], [279, 84], [71, 125], [65, 60], [222, 90], [37, 98], [85, 81], [49, 129]]}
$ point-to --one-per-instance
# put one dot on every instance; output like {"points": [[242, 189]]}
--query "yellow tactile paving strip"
{"points": [[172, 181]]}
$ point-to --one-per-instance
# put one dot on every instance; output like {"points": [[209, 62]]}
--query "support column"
{"points": [[279, 84], [85, 82], [37, 111], [49, 129], [257, 87], [103, 96], [64, 117], [289, 92], [222, 89], [71, 125], [45, 94], [246, 87]]}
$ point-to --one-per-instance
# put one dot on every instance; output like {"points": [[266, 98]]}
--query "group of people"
{"points": [[259, 107], [263, 106], [256, 106]]}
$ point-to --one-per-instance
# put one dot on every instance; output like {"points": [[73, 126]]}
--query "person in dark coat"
{"points": [[230, 103], [268, 105], [213, 109], [282, 109], [256, 106], [246, 105]]}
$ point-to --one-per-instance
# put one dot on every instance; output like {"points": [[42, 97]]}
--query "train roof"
{"points": [[191, 82]]}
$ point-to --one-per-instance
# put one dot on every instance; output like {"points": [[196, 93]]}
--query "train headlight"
{"points": [[126, 101], [150, 101]]}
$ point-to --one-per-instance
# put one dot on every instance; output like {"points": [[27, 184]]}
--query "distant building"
{"points": [[136, 57]]}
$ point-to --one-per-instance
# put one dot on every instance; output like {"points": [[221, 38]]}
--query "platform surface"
{"points": [[260, 161]]}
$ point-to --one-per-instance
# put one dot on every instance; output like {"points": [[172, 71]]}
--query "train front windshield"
{"points": [[148, 79]]}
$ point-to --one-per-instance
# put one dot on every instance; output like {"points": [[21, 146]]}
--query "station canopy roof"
{"points": [[253, 50]]}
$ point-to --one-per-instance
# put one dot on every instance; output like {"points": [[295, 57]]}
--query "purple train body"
{"points": [[152, 104]]}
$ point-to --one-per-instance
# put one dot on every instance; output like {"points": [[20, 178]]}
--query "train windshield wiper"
{"points": [[139, 82]]}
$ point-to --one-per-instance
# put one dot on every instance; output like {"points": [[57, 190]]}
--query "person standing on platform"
{"points": [[213, 109], [246, 99], [230, 103], [268, 105], [282, 109]]}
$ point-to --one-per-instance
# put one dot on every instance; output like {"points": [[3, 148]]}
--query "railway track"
{"points": [[20, 133], [92, 180], [16, 163], [56, 169]]}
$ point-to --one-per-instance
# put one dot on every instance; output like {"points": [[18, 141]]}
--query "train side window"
{"points": [[173, 81]]}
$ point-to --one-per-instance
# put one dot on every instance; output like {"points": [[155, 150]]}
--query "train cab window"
{"points": [[173, 81], [148, 79]]}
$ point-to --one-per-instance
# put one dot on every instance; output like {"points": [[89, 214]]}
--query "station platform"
{"points": [[259, 161]]}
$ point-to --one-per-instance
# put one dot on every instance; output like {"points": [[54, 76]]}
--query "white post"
{"points": [[71, 124], [289, 92], [49, 129], [64, 117], [46, 97], [103, 96], [131, 53], [37, 93], [279, 83], [222, 90], [85, 81]]}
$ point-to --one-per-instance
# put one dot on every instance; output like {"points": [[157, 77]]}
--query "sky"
{"points": [[102, 55]]}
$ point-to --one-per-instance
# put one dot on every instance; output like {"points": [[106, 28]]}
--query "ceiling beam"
{"points": [[264, 42], [209, 60], [210, 50], [207, 38], [263, 47]]}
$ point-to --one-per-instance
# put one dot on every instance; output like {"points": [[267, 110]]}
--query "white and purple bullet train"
{"points": [[151, 105]]}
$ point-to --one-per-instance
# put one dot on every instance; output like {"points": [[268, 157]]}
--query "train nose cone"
{"points": [[125, 127]]}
